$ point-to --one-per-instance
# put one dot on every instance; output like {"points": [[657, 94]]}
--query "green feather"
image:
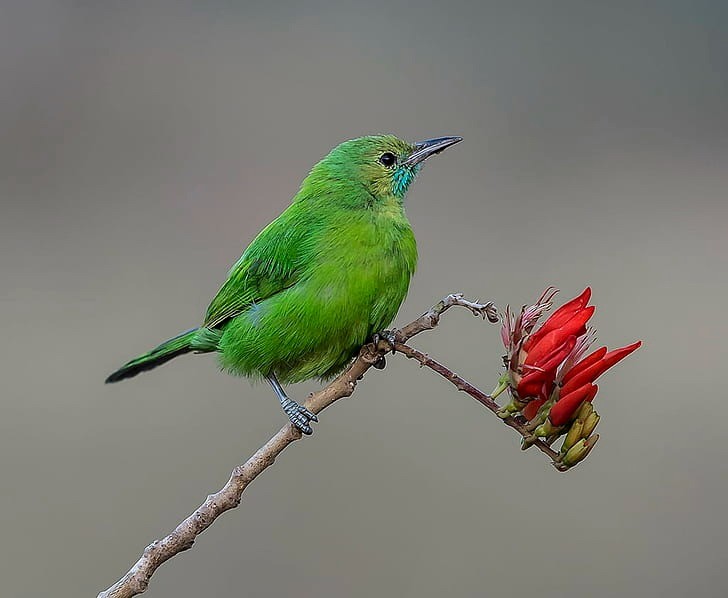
{"points": [[320, 279]]}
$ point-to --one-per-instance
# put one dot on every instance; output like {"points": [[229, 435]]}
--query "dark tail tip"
{"points": [[179, 345], [118, 376], [144, 364], [129, 371]]}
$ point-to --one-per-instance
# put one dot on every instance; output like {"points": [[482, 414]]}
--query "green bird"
{"points": [[321, 279]]}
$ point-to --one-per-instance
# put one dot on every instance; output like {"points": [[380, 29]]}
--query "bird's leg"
{"points": [[388, 335], [299, 415]]}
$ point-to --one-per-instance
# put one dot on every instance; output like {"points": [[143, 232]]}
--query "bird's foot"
{"points": [[299, 415], [390, 336]]}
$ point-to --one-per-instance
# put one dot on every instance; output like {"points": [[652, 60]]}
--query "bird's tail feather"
{"points": [[186, 342]]}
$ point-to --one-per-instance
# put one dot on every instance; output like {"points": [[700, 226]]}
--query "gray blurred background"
{"points": [[142, 146]]}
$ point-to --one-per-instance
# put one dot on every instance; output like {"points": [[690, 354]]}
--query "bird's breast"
{"points": [[365, 268], [380, 244]]}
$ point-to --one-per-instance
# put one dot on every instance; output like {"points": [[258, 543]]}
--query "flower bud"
{"points": [[579, 451], [514, 406], [585, 410], [547, 429], [573, 435], [590, 423]]}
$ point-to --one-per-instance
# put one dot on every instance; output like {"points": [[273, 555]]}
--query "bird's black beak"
{"points": [[425, 149]]}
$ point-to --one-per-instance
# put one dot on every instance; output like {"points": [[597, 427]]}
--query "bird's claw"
{"points": [[300, 417], [386, 335]]}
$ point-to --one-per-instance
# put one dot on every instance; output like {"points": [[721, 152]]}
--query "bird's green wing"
{"points": [[274, 261]]}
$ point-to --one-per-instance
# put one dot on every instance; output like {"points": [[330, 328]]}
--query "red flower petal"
{"points": [[596, 369], [575, 326], [539, 382], [567, 405], [584, 363], [539, 353], [536, 385], [559, 317], [530, 410]]}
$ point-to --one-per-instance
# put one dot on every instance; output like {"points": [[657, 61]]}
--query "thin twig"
{"points": [[183, 537], [462, 384]]}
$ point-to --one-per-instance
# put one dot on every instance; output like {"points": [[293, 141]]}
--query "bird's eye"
{"points": [[388, 159]]}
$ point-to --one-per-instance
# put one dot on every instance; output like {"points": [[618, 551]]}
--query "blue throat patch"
{"points": [[402, 179]]}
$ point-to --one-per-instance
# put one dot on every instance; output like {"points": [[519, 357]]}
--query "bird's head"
{"points": [[383, 165]]}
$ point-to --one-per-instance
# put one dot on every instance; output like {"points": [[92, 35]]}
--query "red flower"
{"points": [[534, 364], [577, 383], [566, 407], [550, 381], [562, 317]]}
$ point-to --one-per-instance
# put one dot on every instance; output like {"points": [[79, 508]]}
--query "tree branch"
{"points": [[229, 496], [518, 423]]}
